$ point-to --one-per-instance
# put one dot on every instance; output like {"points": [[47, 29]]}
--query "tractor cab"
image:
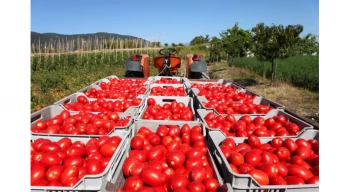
{"points": [[137, 66], [167, 62], [196, 67]]}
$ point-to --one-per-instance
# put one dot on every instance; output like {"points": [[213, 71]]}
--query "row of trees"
{"points": [[266, 43]]}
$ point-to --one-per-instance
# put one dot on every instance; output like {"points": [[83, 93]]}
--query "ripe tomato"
{"points": [[299, 171], [54, 173], [93, 166], [128, 164], [245, 168], [254, 141], [253, 157], [303, 152], [74, 151], [50, 159], [108, 149], [198, 174], [69, 172], [270, 169], [151, 176], [294, 180], [137, 143], [133, 183], [236, 159], [178, 180], [37, 174], [278, 180], [196, 186], [176, 159], [277, 142], [260, 176], [211, 184], [313, 180], [151, 101], [282, 153]]}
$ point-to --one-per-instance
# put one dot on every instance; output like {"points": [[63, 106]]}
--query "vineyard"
{"points": [[301, 71]]}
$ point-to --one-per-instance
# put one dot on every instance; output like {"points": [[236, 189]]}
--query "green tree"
{"points": [[200, 40], [180, 44], [236, 41], [275, 42], [215, 49], [166, 45], [173, 45]]}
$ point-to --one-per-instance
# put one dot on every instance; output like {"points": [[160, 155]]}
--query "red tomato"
{"points": [[278, 180], [37, 174], [253, 157], [282, 153], [282, 170], [128, 163], [236, 159], [133, 183], [54, 173], [137, 143], [74, 161], [176, 159], [74, 151], [259, 176], [277, 142], [151, 176], [50, 159], [254, 141], [178, 180], [198, 174], [156, 153], [196, 186], [270, 169], [245, 168], [108, 149], [303, 152], [313, 180], [151, 101], [69, 172], [93, 166], [294, 180], [299, 171], [211, 184]]}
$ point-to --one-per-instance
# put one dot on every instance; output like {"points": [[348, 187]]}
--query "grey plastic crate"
{"points": [[90, 182], [160, 100], [304, 126], [200, 100], [73, 99], [244, 182], [166, 85], [153, 125], [118, 179], [181, 79], [54, 110]]}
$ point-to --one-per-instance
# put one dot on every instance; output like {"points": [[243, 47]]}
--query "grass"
{"points": [[301, 71], [299, 100]]}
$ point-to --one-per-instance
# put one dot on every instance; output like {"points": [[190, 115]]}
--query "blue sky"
{"points": [[176, 21]]}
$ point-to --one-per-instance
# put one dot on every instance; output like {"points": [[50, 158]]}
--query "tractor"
{"points": [[167, 63]]}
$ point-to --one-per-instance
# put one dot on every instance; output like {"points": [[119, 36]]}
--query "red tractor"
{"points": [[167, 64]]}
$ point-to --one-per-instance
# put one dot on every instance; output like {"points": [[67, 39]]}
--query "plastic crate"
{"points": [[153, 125], [167, 85], [118, 179], [244, 182], [73, 99], [53, 110], [106, 80], [160, 100], [193, 92], [181, 79], [90, 182], [99, 88], [304, 126], [200, 100]]}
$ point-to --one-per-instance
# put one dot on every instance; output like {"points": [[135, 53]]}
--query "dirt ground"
{"points": [[298, 100]]}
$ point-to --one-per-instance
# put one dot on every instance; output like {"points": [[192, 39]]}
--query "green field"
{"points": [[55, 76], [301, 71]]}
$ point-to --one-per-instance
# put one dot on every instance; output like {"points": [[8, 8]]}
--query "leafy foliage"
{"points": [[236, 41], [200, 40]]}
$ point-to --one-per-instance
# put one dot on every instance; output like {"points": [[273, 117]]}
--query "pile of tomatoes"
{"points": [[170, 159], [102, 105], [164, 80], [127, 93], [83, 123], [169, 111], [167, 91], [245, 126], [279, 162], [64, 163]]}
